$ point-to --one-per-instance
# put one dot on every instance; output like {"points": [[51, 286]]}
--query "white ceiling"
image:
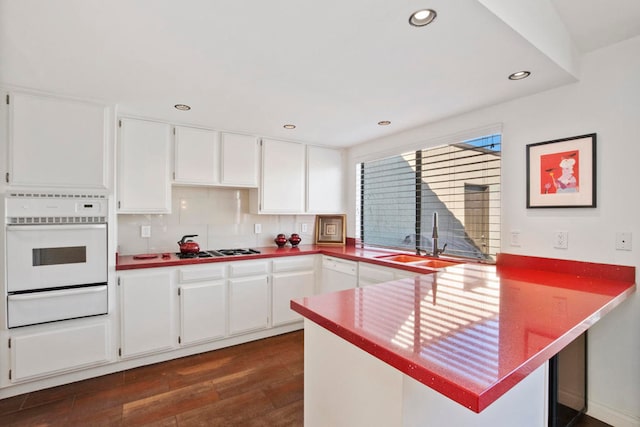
{"points": [[334, 68]]}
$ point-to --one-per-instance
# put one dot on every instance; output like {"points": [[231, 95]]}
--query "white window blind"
{"points": [[459, 182]]}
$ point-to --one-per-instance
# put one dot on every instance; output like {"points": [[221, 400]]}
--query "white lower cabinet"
{"points": [[146, 304], [203, 303], [338, 274], [47, 350], [203, 312], [248, 296], [293, 277]]}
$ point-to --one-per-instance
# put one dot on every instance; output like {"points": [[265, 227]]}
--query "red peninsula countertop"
{"points": [[472, 331]]}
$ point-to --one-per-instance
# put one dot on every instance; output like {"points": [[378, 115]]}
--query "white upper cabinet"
{"points": [[197, 156], [240, 157], [144, 181], [299, 179], [282, 188], [324, 180], [56, 142], [207, 157]]}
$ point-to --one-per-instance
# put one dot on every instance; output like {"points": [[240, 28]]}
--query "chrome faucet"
{"points": [[434, 236]]}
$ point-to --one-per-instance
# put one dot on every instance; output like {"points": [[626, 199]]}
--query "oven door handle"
{"points": [[60, 293], [47, 227]]}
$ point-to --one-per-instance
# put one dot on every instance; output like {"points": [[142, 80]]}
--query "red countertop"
{"points": [[128, 262], [472, 331]]}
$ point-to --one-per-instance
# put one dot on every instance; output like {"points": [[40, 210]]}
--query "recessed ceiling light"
{"points": [[182, 107], [289, 126], [519, 75], [384, 123], [422, 17]]}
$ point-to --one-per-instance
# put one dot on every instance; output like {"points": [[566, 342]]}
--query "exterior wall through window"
{"points": [[459, 182]]}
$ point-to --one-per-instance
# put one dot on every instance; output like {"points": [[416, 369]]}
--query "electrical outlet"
{"points": [[145, 231], [257, 228], [623, 241], [304, 227], [515, 238], [561, 240]]}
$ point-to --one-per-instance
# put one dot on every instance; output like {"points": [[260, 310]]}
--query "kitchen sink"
{"points": [[401, 258], [435, 263], [419, 261]]}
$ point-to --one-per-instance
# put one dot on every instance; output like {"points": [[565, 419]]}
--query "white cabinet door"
{"points": [[282, 187], [144, 183], [324, 180], [239, 160], [55, 142], [146, 302], [197, 156], [293, 277], [38, 353], [203, 311], [288, 286], [248, 304]]}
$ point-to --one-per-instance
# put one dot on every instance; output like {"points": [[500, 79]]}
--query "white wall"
{"points": [[606, 101]]}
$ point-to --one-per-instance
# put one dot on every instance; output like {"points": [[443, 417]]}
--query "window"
{"points": [[457, 186]]}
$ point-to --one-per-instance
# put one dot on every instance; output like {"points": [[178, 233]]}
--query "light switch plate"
{"points": [[257, 228], [145, 231]]}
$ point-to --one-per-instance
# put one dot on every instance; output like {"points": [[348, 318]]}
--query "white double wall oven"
{"points": [[56, 257]]}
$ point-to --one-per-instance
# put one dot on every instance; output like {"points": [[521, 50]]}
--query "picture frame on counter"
{"points": [[330, 230], [562, 173]]}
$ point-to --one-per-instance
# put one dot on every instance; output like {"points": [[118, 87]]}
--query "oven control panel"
{"points": [[55, 206]]}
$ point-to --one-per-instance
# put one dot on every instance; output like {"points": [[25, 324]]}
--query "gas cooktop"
{"points": [[230, 252], [217, 253]]}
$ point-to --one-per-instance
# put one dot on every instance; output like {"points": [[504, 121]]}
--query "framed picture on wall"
{"points": [[562, 173], [330, 229]]}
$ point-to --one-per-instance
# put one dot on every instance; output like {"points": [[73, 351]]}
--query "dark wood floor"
{"points": [[254, 384]]}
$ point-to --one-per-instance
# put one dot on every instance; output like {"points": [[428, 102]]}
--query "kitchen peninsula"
{"points": [[468, 345]]}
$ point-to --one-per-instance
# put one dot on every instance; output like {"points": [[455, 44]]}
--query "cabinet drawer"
{"points": [[240, 268], [41, 354], [297, 263], [199, 274]]}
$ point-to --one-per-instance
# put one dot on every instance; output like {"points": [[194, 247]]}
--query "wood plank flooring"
{"points": [[254, 384]]}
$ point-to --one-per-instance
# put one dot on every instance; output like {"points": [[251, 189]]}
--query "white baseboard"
{"points": [[611, 416]]}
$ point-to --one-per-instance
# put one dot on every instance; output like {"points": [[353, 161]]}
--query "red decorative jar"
{"points": [[294, 240], [280, 240]]}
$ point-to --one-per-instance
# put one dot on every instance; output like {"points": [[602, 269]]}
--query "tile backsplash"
{"points": [[219, 216]]}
